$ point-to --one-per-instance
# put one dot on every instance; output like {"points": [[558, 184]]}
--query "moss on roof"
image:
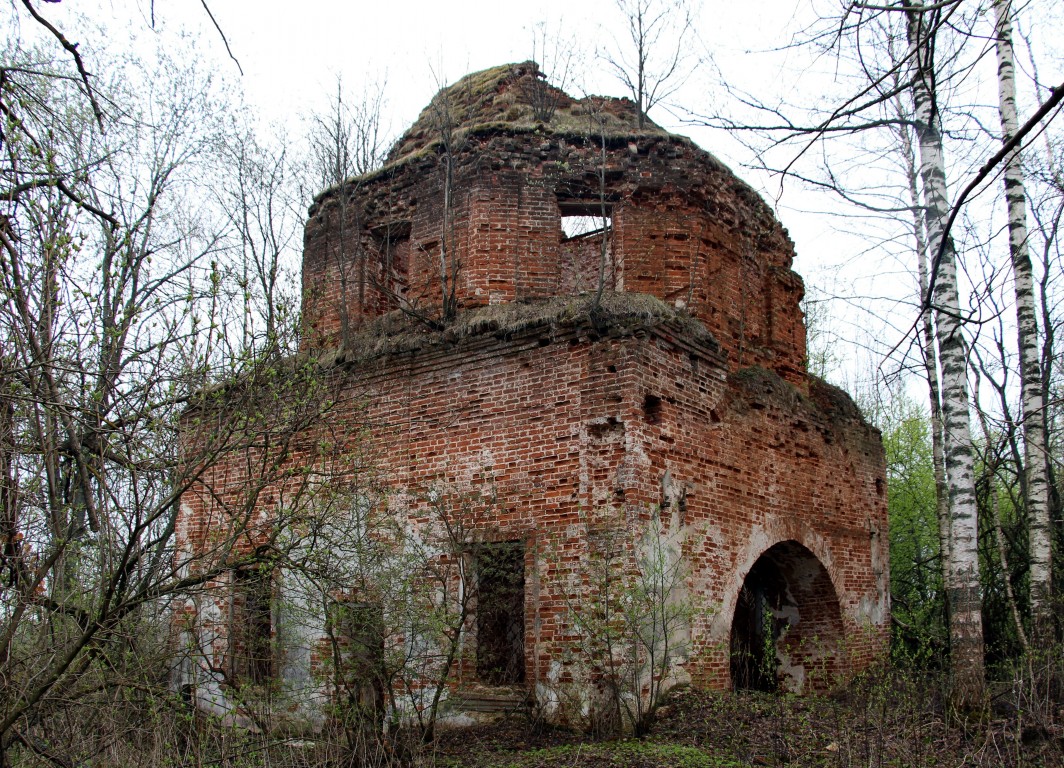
{"points": [[759, 384], [616, 313], [398, 333], [506, 97], [502, 99]]}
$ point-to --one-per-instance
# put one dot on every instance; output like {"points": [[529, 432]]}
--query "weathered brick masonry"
{"points": [[648, 376]]}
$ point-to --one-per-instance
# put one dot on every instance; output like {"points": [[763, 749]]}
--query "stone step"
{"points": [[490, 701]]}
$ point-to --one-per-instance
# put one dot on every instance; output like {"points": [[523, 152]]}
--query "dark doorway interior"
{"points": [[787, 630], [500, 570], [757, 628], [359, 635]]}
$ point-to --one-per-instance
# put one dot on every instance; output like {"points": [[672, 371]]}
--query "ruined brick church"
{"points": [[588, 334]]}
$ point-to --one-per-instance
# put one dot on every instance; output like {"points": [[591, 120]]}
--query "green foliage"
{"points": [[918, 599], [917, 594], [822, 357], [635, 753], [1003, 547]]}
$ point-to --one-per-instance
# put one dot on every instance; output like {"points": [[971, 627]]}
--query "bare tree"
{"points": [[446, 122], [113, 314], [929, 351], [557, 57], [655, 58], [347, 142], [629, 631], [350, 139], [261, 200]]}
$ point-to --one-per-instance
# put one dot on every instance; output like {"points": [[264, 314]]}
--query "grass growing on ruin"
{"points": [[630, 753]]}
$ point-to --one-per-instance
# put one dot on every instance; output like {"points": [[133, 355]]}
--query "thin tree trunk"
{"points": [[930, 357], [1036, 485], [966, 630], [990, 468]]}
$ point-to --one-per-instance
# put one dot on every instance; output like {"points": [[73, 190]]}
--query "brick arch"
{"points": [[787, 630]]}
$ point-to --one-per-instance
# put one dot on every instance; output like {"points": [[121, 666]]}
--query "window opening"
{"points": [[652, 409], [586, 246], [575, 227], [584, 218], [500, 571], [358, 628], [394, 246], [252, 628]]}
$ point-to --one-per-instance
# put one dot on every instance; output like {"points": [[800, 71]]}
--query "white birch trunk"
{"points": [[938, 452], [930, 359], [966, 630], [1036, 486]]}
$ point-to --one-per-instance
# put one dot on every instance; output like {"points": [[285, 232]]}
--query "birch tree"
{"points": [[928, 346], [965, 611], [1036, 485], [911, 67], [906, 56]]}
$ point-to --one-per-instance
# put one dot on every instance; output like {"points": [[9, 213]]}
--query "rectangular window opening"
{"points": [[579, 227], [358, 627], [252, 626], [586, 257], [393, 245], [500, 612], [584, 219]]}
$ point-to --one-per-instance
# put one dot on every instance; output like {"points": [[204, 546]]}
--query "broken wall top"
{"points": [[476, 202], [517, 98]]}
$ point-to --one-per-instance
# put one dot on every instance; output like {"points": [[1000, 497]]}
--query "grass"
{"points": [[885, 720], [630, 753], [618, 313]]}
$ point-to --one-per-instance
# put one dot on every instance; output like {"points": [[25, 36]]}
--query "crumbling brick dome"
{"points": [[506, 189]]}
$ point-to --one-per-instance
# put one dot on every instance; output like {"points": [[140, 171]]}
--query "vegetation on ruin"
{"points": [[497, 99], [147, 231], [618, 314]]}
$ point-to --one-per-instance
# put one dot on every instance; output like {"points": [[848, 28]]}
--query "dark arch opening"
{"points": [[787, 629]]}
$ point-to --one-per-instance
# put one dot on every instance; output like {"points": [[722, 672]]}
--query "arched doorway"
{"points": [[787, 629]]}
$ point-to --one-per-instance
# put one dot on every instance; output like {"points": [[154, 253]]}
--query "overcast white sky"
{"points": [[291, 57], [292, 53]]}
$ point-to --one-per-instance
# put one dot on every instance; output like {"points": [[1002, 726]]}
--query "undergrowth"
{"points": [[885, 719]]}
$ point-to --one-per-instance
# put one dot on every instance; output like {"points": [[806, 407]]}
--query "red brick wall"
{"points": [[558, 428], [763, 463], [684, 229], [561, 436]]}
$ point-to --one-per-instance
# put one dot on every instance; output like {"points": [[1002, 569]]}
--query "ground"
{"points": [[884, 720]]}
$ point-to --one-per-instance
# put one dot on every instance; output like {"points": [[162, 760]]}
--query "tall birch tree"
{"points": [[908, 57], [928, 347], [965, 614], [1035, 474]]}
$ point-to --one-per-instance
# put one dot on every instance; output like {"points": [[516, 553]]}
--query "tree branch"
{"points": [[72, 49], [1055, 98]]}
